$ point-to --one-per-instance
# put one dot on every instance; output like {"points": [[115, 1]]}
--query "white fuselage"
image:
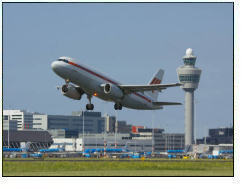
{"points": [[90, 81]]}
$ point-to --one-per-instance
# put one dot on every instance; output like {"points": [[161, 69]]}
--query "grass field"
{"points": [[118, 168]]}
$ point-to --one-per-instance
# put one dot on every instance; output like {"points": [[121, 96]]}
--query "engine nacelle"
{"points": [[71, 91], [113, 90]]}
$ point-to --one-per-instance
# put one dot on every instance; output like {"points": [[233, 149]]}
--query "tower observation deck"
{"points": [[189, 76]]}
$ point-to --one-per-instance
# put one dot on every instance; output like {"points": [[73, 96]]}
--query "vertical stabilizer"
{"points": [[156, 79]]}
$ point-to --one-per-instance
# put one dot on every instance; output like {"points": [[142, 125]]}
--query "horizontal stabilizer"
{"points": [[166, 103]]}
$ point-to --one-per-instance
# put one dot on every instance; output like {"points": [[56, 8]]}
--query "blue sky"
{"points": [[127, 41]]}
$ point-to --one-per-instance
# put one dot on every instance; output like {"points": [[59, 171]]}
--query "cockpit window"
{"points": [[64, 60]]}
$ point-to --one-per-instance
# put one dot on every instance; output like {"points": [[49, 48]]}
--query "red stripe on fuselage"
{"points": [[93, 73], [104, 78], [143, 97]]}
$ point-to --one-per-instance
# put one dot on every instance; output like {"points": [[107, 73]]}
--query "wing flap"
{"points": [[142, 88], [166, 103]]}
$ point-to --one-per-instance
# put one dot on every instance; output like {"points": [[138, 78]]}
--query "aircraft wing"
{"points": [[142, 88], [166, 103]]}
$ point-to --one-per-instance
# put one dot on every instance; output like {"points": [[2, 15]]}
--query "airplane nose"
{"points": [[54, 66], [60, 68]]}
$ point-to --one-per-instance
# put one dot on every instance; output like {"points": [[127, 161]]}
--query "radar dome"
{"points": [[189, 52]]}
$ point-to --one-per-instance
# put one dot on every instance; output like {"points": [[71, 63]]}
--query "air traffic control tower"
{"points": [[189, 76]]}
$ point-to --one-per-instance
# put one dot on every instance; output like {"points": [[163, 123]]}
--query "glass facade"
{"points": [[92, 124], [189, 61], [218, 136], [189, 78]]}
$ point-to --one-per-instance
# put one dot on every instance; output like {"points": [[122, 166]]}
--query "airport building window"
{"points": [[37, 119], [37, 123]]}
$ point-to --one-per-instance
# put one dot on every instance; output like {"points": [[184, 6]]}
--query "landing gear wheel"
{"points": [[89, 106], [117, 106], [120, 107]]}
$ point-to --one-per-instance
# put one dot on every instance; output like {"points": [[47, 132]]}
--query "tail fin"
{"points": [[156, 79]]}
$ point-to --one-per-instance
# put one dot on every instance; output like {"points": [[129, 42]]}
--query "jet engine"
{"points": [[113, 90], [72, 92]]}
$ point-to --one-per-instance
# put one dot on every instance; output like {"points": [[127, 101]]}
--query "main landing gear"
{"points": [[89, 106], [117, 106]]}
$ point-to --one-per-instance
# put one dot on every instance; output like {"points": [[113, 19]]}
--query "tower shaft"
{"points": [[189, 117]]}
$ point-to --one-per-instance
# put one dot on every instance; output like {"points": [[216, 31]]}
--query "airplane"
{"points": [[92, 83]]}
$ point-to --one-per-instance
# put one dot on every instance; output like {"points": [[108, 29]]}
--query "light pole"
{"points": [[153, 119], [83, 118], [116, 128]]}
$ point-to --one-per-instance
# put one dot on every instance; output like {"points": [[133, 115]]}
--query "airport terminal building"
{"points": [[35, 139], [93, 122], [24, 119], [98, 131], [223, 135], [9, 124]]}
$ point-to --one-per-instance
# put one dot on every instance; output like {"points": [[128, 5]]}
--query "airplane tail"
{"points": [[156, 79]]}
